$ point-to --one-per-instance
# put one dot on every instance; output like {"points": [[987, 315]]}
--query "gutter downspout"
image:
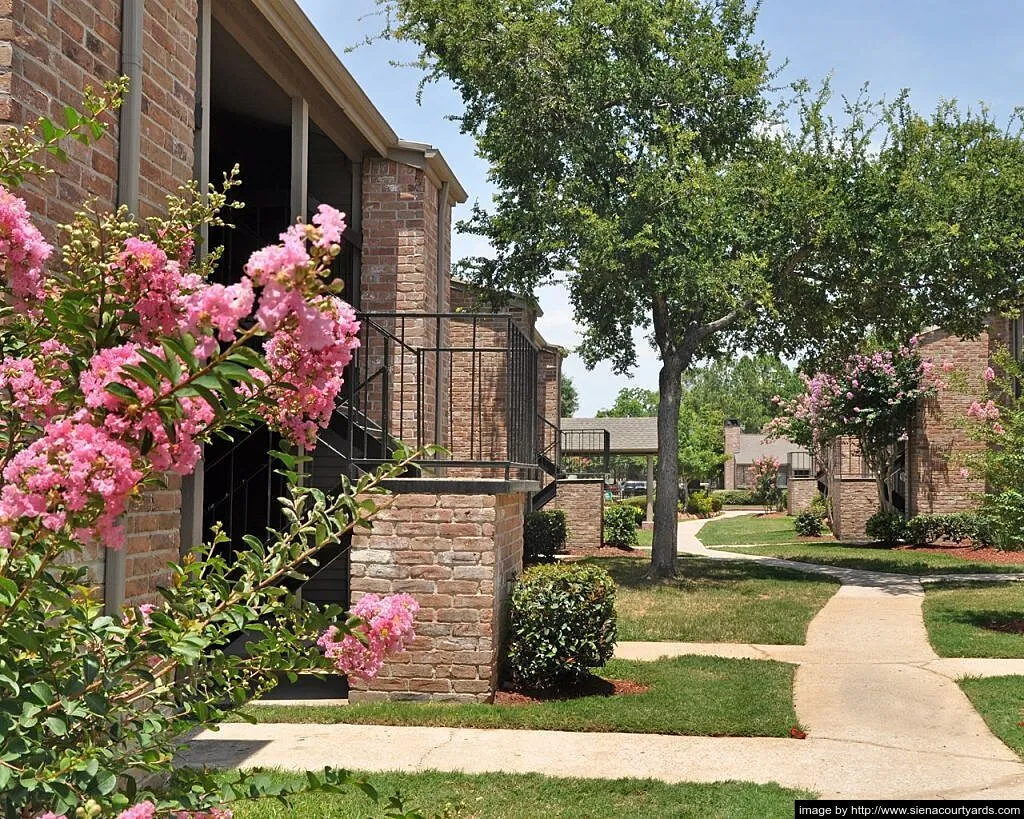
{"points": [[129, 153], [441, 307]]}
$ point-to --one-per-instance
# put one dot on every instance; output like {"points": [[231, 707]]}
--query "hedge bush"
{"points": [[620, 525], [563, 624], [888, 528], [925, 529], [544, 534], [809, 523], [735, 497]]}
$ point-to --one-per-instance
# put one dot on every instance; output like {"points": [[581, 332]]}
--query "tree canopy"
{"points": [[568, 398], [639, 155]]}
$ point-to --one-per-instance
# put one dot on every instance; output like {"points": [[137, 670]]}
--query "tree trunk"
{"points": [[663, 549]]}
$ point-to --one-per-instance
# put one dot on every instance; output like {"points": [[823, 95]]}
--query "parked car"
{"points": [[634, 488]]}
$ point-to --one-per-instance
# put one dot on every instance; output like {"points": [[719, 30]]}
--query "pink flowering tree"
{"points": [[872, 399], [764, 480], [118, 361]]}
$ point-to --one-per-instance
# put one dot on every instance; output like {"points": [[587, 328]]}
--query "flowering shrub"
{"points": [[118, 360], [764, 479], [872, 399]]}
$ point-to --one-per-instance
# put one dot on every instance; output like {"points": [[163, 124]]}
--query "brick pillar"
{"points": [[457, 554], [583, 504], [399, 273], [731, 432], [800, 493]]}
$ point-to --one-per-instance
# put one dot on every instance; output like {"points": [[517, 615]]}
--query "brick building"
{"points": [[252, 82], [927, 478]]}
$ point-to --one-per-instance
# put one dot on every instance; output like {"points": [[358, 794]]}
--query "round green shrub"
{"points": [[808, 523], [638, 511], [563, 624], [700, 504], [888, 528], [620, 525], [716, 504], [544, 534]]}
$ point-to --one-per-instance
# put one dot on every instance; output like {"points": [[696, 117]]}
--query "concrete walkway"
{"points": [[884, 716]]}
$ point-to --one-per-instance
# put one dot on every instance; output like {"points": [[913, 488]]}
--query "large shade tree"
{"points": [[634, 149]]}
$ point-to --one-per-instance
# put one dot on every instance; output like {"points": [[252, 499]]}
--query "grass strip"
{"points": [[700, 696], [528, 796]]}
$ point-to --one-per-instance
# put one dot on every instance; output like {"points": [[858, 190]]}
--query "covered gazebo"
{"points": [[604, 437]]}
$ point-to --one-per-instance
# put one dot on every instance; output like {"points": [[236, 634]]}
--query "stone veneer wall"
{"points": [[583, 503], [801, 492], [457, 554]]}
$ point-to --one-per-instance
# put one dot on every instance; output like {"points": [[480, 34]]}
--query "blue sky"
{"points": [[939, 49]]}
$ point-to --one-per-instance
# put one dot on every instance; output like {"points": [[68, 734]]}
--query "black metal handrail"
{"points": [[466, 381], [585, 444]]}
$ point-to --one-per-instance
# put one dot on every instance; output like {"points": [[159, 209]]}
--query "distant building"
{"points": [[743, 448]]}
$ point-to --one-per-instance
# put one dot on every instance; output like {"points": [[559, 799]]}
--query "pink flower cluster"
{"points": [[387, 625], [983, 412], [23, 251], [313, 338], [135, 421], [169, 300], [147, 810], [75, 465], [33, 388], [315, 372]]}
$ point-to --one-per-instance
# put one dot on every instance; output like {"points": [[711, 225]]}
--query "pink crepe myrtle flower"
{"points": [[983, 412], [73, 465], [387, 626], [964, 472], [51, 815], [143, 810], [998, 429], [23, 251], [990, 374]]}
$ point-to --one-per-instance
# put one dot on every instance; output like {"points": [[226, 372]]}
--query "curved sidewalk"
{"points": [[885, 718]]}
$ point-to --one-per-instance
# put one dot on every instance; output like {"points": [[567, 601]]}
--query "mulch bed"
{"points": [[579, 553], [591, 687], [970, 553], [1013, 626]]}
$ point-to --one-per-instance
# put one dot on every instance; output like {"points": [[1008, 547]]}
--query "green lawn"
{"points": [[747, 530], [716, 601], [898, 561], [971, 620], [644, 538], [703, 696], [528, 796], [1000, 701]]}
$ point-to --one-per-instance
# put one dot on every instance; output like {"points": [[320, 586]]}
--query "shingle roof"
{"points": [[754, 445], [629, 436]]}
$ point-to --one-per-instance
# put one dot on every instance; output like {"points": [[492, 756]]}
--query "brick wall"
{"points": [[456, 554], [583, 504], [935, 485], [801, 492], [49, 51]]}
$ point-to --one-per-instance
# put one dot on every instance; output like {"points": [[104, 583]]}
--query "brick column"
{"points": [[800, 493], [456, 552], [583, 504], [399, 274], [731, 432]]}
